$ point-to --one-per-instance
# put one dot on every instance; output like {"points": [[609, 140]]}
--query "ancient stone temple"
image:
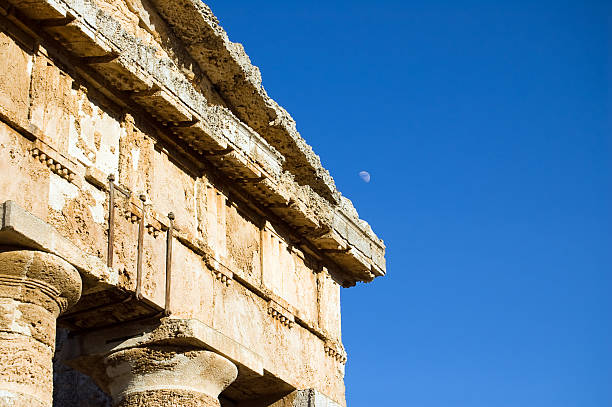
{"points": [[167, 238]]}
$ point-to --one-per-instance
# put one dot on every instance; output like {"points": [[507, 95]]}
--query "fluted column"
{"points": [[35, 287], [166, 375]]}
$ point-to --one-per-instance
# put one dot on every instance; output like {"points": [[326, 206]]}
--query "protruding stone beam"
{"points": [[167, 362], [35, 287], [166, 375]]}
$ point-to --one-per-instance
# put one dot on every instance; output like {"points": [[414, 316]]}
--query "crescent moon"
{"points": [[365, 176]]}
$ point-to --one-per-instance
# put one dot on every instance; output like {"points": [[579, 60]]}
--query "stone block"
{"points": [[14, 80], [243, 245], [173, 190], [192, 286], [28, 183]]}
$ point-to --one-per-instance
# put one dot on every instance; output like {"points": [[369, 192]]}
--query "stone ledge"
{"points": [[20, 228], [185, 332]]}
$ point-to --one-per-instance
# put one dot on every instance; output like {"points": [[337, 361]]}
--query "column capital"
{"points": [[38, 277], [35, 287], [168, 375]]}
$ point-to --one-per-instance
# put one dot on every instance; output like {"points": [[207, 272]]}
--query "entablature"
{"points": [[134, 76]]}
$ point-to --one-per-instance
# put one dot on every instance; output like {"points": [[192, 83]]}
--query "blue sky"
{"points": [[486, 127]]}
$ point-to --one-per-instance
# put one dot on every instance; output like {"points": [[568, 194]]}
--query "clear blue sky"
{"points": [[486, 127]]}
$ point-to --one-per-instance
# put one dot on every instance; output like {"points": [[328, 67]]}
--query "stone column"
{"points": [[35, 287], [167, 375]]}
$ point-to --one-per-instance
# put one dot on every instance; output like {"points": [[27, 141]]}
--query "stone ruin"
{"points": [[160, 209]]}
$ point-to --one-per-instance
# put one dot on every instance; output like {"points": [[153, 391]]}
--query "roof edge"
{"points": [[239, 81]]}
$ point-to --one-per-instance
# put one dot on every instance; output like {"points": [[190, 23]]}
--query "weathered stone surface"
{"points": [[29, 176], [14, 80], [218, 121], [35, 287], [145, 153], [163, 398]]}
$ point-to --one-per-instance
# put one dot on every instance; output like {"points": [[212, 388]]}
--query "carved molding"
{"points": [[53, 164], [153, 226], [280, 313], [225, 277], [220, 271], [35, 284], [336, 351], [132, 214]]}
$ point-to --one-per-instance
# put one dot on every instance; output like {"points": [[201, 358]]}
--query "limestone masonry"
{"points": [[160, 209]]}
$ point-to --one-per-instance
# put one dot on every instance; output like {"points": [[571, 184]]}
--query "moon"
{"points": [[365, 176]]}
